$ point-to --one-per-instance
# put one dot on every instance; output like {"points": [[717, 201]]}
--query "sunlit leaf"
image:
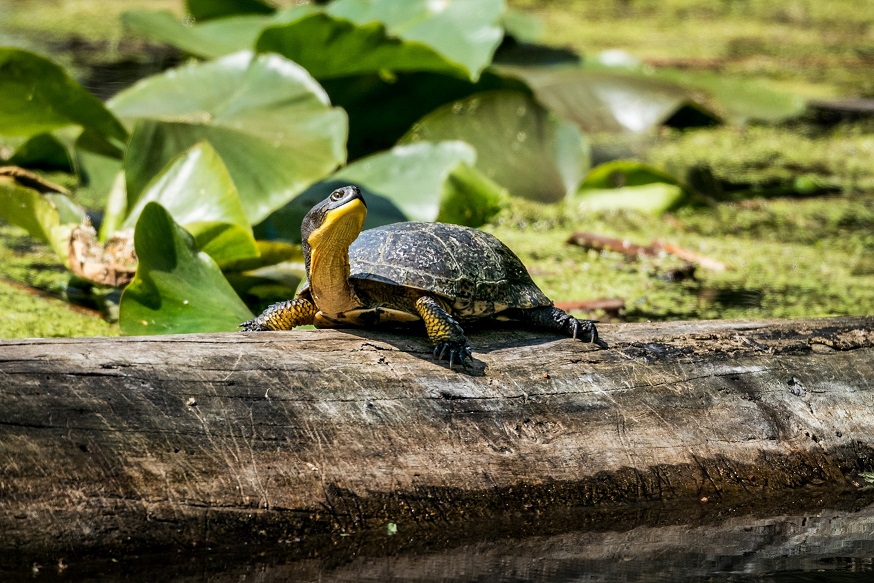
{"points": [[619, 173], [176, 289], [740, 100], [598, 100], [269, 121], [47, 217], [626, 184], [463, 31], [198, 192], [422, 181], [382, 110], [210, 39], [195, 187], [655, 198], [519, 144], [331, 47], [37, 96]]}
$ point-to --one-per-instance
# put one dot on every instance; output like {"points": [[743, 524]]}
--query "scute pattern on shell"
{"points": [[476, 272]]}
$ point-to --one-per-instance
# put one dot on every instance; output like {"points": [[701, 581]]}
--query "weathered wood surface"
{"points": [[134, 443]]}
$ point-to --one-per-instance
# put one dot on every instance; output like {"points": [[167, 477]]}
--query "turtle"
{"points": [[441, 274]]}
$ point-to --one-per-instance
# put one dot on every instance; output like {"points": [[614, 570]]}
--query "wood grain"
{"points": [[141, 443]]}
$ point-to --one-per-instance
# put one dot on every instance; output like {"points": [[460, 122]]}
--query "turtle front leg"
{"points": [[444, 331], [552, 318], [282, 316]]}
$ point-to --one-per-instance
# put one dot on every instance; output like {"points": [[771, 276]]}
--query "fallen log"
{"points": [[124, 444]]}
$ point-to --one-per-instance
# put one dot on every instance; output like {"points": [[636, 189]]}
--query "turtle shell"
{"points": [[476, 273]]}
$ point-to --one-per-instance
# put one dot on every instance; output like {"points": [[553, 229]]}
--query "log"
{"points": [[130, 444]]}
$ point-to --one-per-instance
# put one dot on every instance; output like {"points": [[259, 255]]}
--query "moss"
{"points": [[33, 289], [786, 258]]}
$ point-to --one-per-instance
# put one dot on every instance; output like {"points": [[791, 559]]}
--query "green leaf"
{"points": [[422, 181], [176, 289], [223, 241], [209, 40], [607, 100], [49, 218], [207, 9], [43, 151], [37, 96], [198, 192], [331, 47], [269, 253], [269, 121], [519, 144], [626, 184], [740, 100], [382, 110], [466, 32], [655, 198], [195, 187], [619, 173]]}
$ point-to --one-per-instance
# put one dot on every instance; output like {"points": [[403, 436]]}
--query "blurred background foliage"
{"points": [[198, 133]]}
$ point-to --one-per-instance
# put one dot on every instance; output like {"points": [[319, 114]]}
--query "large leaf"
{"points": [[207, 9], [607, 100], [198, 192], [330, 47], [417, 178], [466, 32], [655, 198], [211, 39], [620, 173], [269, 121], [43, 151], [520, 145], [37, 96], [48, 217], [382, 110], [422, 181], [740, 100], [626, 184], [176, 289]]}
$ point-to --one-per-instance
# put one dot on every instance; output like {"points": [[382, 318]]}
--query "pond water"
{"points": [[828, 546]]}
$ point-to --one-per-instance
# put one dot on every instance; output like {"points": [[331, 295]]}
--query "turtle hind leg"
{"points": [[444, 331], [552, 318], [282, 316]]}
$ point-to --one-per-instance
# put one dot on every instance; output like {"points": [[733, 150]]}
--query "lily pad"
{"points": [[37, 96], [520, 145], [613, 101], [423, 182], [626, 184], [466, 32], [330, 47], [740, 100], [176, 289], [655, 198], [197, 190], [47, 217], [620, 173], [269, 121], [211, 39]]}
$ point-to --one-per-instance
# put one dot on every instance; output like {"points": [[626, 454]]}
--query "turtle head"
{"points": [[331, 226]]}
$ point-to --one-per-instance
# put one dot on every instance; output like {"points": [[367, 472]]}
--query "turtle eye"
{"points": [[337, 195]]}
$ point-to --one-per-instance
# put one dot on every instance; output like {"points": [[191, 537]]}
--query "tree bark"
{"points": [[139, 443]]}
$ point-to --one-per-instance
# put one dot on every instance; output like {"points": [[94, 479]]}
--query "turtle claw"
{"points": [[457, 352], [586, 331]]}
